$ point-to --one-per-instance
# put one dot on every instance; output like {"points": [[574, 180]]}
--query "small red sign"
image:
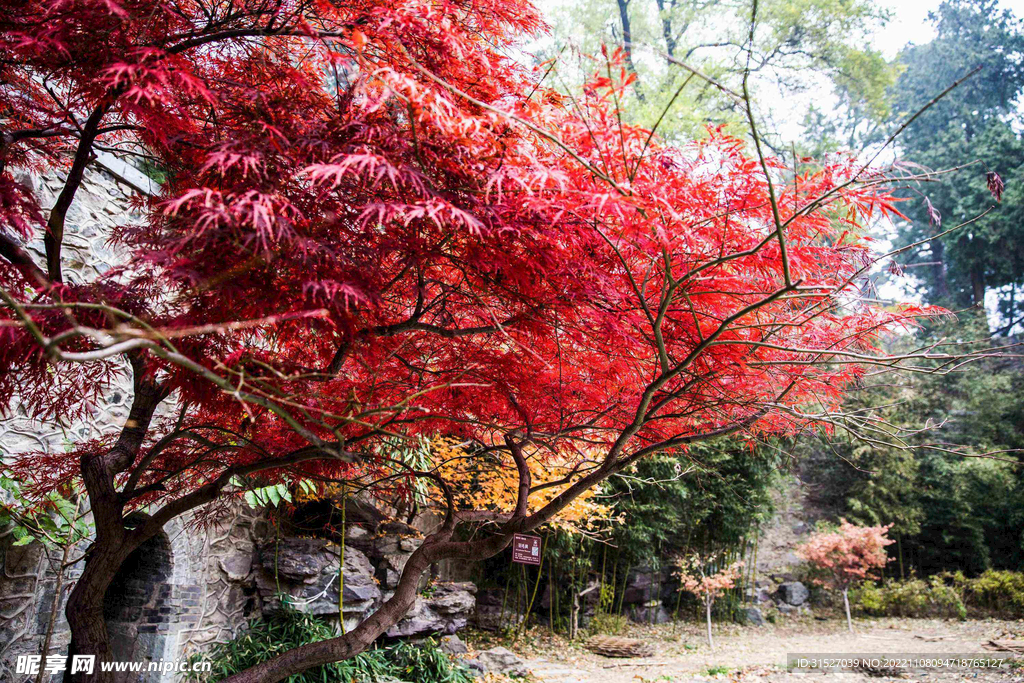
{"points": [[526, 549]]}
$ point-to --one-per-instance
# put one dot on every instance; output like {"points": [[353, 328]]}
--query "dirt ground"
{"points": [[748, 654]]}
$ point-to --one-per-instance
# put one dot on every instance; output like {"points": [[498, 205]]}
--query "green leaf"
{"points": [[275, 497], [283, 491]]}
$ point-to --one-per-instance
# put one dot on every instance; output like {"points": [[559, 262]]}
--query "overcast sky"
{"points": [[910, 22]]}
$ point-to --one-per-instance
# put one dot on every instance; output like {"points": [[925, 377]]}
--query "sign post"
{"points": [[526, 549]]}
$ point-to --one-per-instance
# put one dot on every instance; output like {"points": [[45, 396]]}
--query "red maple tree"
{"points": [[847, 555], [375, 226], [695, 577]]}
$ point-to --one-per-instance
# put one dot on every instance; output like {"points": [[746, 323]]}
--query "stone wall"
{"points": [[194, 585], [27, 574], [151, 610]]}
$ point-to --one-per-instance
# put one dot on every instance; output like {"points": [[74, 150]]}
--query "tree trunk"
{"points": [[707, 613], [846, 604], [899, 548], [666, 28], [627, 45], [939, 271], [978, 288], [84, 612], [574, 615]]}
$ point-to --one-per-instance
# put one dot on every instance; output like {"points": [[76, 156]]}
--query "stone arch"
{"points": [[139, 607]]}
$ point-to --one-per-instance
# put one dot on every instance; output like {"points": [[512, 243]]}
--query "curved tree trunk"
{"points": [[114, 542], [84, 612]]}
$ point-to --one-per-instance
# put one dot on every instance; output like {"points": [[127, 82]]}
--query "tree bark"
{"points": [[58, 587], [84, 612], [978, 287], [627, 45], [846, 605], [707, 613], [114, 542], [939, 271], [666, 28], [54, 236], [899, 548]]}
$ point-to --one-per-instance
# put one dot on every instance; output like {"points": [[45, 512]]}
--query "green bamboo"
{"points": [[341, 562], [625, 580]]}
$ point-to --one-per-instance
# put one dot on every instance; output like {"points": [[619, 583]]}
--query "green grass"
{"points": [[715, 670]]}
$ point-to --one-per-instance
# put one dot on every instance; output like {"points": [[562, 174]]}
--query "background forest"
{"points": [[824, 87]]}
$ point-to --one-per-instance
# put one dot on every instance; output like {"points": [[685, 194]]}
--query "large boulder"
{"points": [[305, 571], [494, 611], [792, 593], [651, 613], [443, 608], [498, 660], [642, 585], [387, 551], [750, 616]]}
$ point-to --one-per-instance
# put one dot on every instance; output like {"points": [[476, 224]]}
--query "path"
{"points": [[759, 654]]}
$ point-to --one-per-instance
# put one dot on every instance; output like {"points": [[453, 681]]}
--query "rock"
{"points": [[491, 618], [444, 609], [307, 573], [641, 586], [237, 565], [409, 544], [475, 668], [357, 563], [787, 609], [487, 615], [419, 619], [793, 593], [453, 598], [390, 568], [490, 597], [651, 613], [295, 559], [499, 660], [792, 560], [26, 180], [750, 616], [396, 528], [452, 645]]}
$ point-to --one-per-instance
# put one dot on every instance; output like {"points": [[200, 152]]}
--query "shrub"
{"points": [[424, 663], [869, 599], [608, 624], [941, 595], [999, 591]]}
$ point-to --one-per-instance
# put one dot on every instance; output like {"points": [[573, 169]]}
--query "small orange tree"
{"points": [[707, 587], [848, 554]]}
